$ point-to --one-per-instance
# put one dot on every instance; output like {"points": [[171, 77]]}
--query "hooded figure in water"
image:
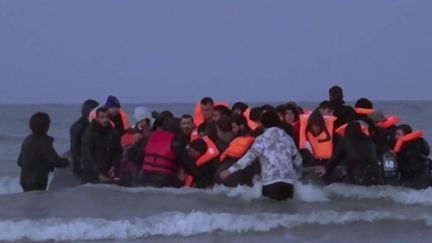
{"points": [[77, 130], [38, 156]]}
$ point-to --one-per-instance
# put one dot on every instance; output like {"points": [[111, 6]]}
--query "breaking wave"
{"points": [[182, 224]]}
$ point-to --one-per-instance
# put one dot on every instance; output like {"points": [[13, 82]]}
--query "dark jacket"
{"points": [[76, 132], [118, 124], [343, 113], [359, 155], [101, 149], [37, 158], [413, 156]]}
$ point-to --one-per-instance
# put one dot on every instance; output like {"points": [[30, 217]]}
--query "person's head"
{"points": [[167, 114], [336, 93], [291, 114], [40, 123], [266, 108], [202, 130], [113, 105], [326, 108], [403, 130], [354, 131], [224, 125], [87, 107], [172, 125], [142, 117], [364, 103], [102, 116], [220, 112], [207, 106], [280, 109], [255, 114], [239, 108], [240, 125], [316, 124], [187, 124], [270, 119], [197, 148]]}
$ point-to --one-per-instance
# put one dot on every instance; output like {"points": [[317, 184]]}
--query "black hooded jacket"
{"points": [[413, 156], [76, 132], [358, 152], [343, 113], [101, 149], [37, 158]]}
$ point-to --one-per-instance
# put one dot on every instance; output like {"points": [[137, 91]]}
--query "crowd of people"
{"points": [[232, 146]]}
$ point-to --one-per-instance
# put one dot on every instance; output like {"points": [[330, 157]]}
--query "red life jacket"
{"points": [[158, 155], [409, 137], [127, 139]]}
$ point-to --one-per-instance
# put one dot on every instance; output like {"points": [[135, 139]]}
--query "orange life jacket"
{"points": [[322, 148], [307, 112], [211, 153], [252, 125], [364, 111], [341, 130], [391, 120], [123, 115], [198, 115], [237, 147], [409, 137], [194, 134]]}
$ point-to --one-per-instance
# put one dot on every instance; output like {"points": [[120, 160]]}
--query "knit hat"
{"points": [[112, 101], [141, 113]]}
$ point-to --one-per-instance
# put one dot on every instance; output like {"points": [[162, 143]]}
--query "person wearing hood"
{"points": [[76, 132], [341, 111], [38, 156], [358, 152], [101, 150], [143, 123], [281, 162], [132, 143], [117, 115]]}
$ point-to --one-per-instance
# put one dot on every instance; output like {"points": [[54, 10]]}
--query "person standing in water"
{"points": [[76, 132], [101, 150], [38, 156], [279, 158]]}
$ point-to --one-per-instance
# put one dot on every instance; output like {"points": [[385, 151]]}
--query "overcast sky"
{"points": [[164, 51]]}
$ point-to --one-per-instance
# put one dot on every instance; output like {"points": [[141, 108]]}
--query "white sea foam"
{"points": [[309, 193], [183, 224], [395, 194]]}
